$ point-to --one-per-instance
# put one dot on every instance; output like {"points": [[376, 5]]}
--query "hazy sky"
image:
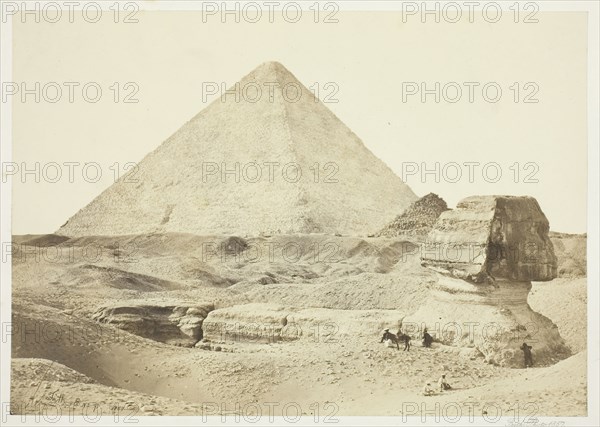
{"points": [[368, 56]]}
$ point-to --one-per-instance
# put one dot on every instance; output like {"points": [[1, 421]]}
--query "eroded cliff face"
{"points": [[491, 237], [177, 324], [269, 323], [486, 253]]}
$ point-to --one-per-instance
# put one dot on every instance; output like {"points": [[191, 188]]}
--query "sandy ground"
{"points": [[64, 360]]}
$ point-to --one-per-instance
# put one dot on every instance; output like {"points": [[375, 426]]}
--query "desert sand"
{"points": [[333, 360]]}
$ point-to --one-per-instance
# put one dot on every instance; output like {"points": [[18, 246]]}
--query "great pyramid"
{"points": [[269, 137]]}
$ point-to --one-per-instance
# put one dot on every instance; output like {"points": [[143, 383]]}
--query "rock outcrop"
{"points": [[418, 219], [268, 323], [489, 237], [177, 324], [571, 252], [486, 253]]}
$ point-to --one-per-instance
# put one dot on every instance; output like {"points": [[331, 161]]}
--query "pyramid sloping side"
{"points": [[174, 191], [356, 191]]}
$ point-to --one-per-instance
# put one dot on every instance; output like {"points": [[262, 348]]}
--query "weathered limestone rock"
{"points": [[261, 323], [267, 323], [489, 237], [486, 253], [168, 323]]}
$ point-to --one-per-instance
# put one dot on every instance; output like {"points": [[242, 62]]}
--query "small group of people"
{"points": [[393, 339], [390, 339], [443, 385], [428, 390]]}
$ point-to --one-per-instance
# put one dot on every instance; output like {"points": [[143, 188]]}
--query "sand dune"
{"points": [[338, 362]]}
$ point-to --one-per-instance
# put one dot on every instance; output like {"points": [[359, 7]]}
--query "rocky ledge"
{"points": [[486, 253]]}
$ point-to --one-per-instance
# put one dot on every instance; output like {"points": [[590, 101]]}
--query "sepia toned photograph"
{"points": [[299, 213]]}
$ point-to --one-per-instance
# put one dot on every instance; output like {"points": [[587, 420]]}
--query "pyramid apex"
{"points": [[271, 70], [271, 65]]}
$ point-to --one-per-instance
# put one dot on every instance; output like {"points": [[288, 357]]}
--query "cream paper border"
{"points": [[593, 255]]}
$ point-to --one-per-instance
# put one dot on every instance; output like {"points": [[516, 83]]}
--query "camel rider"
{"points": [[386, 335]]}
